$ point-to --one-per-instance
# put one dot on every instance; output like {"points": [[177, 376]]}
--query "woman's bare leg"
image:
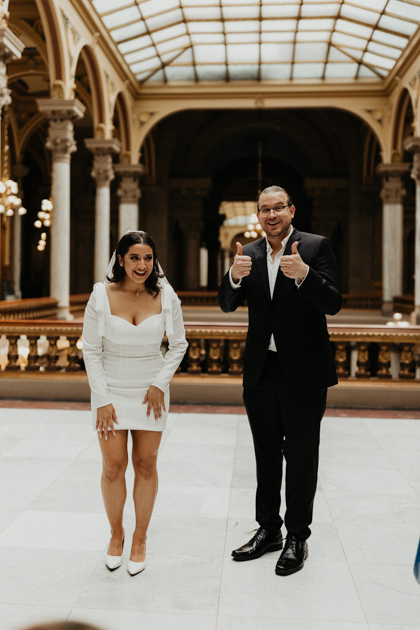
{"points": [[145, 452], [114, 491]]}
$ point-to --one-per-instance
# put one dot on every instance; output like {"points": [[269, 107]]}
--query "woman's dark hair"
{"points": [[126, 241]]}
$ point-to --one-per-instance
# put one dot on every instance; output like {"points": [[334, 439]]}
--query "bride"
{"points": [[125, 321]]}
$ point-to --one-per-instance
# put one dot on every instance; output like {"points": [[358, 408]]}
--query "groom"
{"points": [[290, 281]]}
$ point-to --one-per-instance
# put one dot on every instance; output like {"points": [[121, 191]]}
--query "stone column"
{"points": [[189, 193], [61, 113], [192, 232], [19, 171], [392, 194], [204, 266], [11, 48], [103, 174], [129, 194], [412, 144]]}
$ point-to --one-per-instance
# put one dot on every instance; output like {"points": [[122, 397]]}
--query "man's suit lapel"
{"points": [[261, 265], [288, 251]]}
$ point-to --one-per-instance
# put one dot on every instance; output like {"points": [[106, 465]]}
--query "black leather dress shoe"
{"points": [[292, 557], [261, 543]]}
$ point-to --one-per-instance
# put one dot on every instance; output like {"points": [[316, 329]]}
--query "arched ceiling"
{"points": [[260, 40]]}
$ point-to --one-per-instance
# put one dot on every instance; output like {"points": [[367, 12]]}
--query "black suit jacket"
{"points": [[296, 316]]}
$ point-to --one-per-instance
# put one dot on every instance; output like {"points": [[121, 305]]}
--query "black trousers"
{"points": [[285, 423]]}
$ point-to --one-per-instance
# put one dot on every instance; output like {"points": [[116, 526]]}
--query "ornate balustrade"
{"points": [[361, 352], [32, 308], [37, 308]]}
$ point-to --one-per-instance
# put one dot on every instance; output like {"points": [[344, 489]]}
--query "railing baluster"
{"points": [[407, 370], [215, 356], [13, 354], [33, 354], [72, 354], [341, 359], [235, 357], [363, 363], [194, 356], [384, 361], [52, 354]]}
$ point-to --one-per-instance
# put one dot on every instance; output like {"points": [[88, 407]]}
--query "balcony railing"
{"points": [[32, 308], [361, 352], [38, 308]]}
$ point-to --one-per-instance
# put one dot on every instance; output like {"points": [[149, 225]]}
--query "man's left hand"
{"points": [[293, 266]]}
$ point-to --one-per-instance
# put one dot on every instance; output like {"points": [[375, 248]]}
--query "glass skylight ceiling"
{"points": [[225, 40]]}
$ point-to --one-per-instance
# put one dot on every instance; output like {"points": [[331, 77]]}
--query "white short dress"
{"points": [[122, 360]]}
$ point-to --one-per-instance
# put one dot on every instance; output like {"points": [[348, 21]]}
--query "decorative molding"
{"points": [[103, 172], [129, 190], [11, 47], [377, 114], [259, 101], [103, 146], [412, 144], [393, 190], [58, 89], [95, 39], [145, 117], [61, 114]]}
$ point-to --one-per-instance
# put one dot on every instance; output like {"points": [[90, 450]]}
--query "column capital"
{"points": [[61, 113], [129, 170], [11, 47], [102, 149], [412, 144], [61, 108], [129, 190], [103, 146], [393, 189]]}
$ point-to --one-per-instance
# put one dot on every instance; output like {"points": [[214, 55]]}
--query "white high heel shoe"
{"points": [[113, 562], [135, 567]]}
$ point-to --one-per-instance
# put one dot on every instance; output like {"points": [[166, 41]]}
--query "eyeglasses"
{"points": [[276, 210]]}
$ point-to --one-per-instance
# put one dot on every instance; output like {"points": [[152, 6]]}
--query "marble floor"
{"points": [[54, 534]]}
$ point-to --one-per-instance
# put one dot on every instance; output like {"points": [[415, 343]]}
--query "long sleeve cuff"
{"points": [[232, 283], [299, 283]]}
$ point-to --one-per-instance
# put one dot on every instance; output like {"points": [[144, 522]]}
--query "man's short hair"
{"points": [[274, 189]]}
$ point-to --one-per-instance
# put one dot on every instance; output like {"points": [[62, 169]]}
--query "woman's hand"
{"points": [[155, 398], [105, 418]]}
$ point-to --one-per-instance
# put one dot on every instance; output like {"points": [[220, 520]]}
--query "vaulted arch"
{"points": [[401, 124]]}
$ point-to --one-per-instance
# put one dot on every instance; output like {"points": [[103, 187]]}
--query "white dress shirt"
{"points": [[272, 269]]}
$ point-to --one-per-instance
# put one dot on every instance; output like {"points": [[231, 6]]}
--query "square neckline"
{"points": [[126, 320]]}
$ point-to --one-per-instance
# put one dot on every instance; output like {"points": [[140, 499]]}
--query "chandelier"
{"points": [[44, 220], [254, 228], [9, 201]]}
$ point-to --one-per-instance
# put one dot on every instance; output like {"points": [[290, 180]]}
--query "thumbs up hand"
{"points": [[293, 266], [241, 264]]}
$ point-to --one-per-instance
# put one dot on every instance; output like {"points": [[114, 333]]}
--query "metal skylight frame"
{"points": [[225, 40]]}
